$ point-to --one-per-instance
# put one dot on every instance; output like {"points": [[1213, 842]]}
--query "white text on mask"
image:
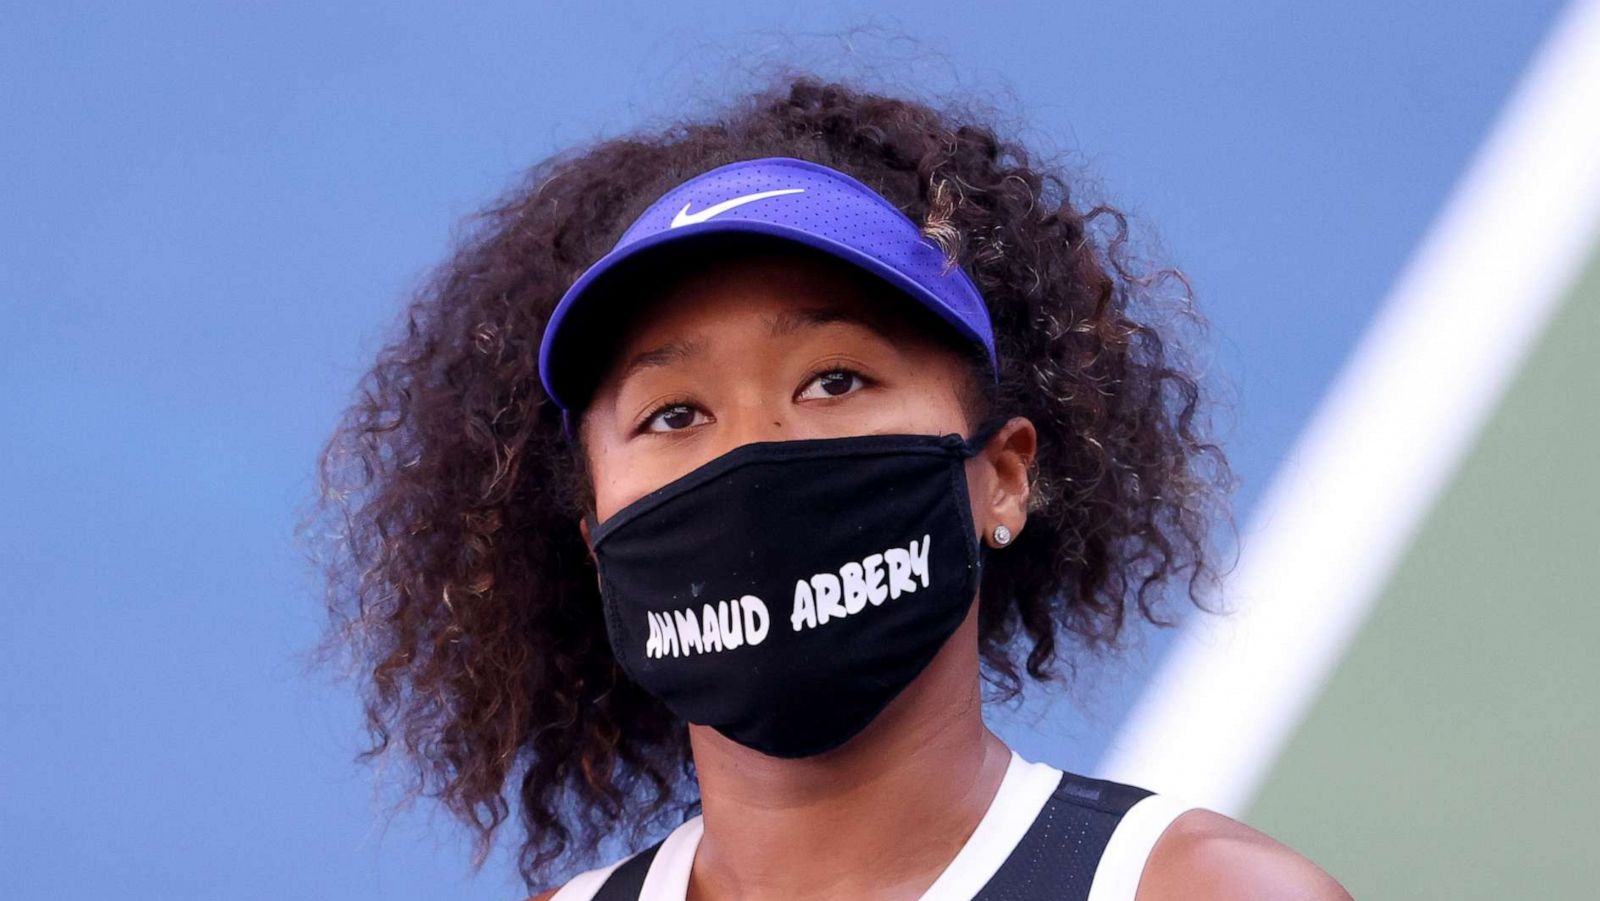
{"points": [[877, 578], [818, 600]]}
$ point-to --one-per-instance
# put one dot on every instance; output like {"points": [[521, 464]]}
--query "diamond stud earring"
{"points": [[1002, 536]]}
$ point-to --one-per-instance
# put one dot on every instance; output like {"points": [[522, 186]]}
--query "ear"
{"points": [[1009, 456]]}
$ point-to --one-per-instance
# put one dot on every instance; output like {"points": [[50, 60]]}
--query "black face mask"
{"points": [[785, 592]]}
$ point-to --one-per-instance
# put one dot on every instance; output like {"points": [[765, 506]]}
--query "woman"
{"points": [[715, 473]]}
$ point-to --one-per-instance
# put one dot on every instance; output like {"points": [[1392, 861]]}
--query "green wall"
{"points": [[1455, 753]]}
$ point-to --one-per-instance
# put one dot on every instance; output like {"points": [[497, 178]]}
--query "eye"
{"points": [[835, 382], [675, 416]]}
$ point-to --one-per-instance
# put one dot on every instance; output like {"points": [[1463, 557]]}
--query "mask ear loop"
{"points": [[984, 431]]}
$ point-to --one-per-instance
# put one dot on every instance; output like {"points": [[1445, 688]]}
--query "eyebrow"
{"points": [[784, 323], [787, 322]]}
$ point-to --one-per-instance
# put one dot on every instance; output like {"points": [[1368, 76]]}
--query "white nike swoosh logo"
{"points": [[685, 217]]}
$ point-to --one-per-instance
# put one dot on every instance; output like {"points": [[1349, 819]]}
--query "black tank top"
{"points": [[1048, 834]]}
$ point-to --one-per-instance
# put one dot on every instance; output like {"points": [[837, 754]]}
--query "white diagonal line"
{"points": [[1385, 441]]}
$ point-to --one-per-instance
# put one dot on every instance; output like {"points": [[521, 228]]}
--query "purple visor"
{"points": [[781, 197]]}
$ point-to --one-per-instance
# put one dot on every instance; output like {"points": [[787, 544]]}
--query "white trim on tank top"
{"points": [[1116, 876], [1024, 790]]}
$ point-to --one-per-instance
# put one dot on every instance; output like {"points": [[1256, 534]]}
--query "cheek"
{"points": [[612, 475], [980, 483], [608, 476], [613, 489], [619, 479]]}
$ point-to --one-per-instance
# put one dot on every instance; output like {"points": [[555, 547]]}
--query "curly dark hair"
{"points": [[459, 585]]}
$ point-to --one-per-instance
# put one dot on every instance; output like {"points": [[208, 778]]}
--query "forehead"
{"points": [[698, 284]]}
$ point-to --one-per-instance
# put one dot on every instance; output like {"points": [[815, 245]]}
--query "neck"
{"points": [[835, 824]]}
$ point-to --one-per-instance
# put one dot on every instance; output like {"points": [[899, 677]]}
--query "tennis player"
{"points": [[719, 470]]}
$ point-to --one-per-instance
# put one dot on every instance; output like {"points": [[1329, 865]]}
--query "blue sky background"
{"points": [[211, 213]]}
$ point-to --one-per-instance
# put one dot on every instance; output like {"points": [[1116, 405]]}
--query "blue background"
{"points": [[212, 214]]}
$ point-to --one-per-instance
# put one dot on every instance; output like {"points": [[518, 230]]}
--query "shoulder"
{"points": [[1204, 854]]}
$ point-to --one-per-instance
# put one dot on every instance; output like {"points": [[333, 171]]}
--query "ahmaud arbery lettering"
{"points": [[818, 600]]}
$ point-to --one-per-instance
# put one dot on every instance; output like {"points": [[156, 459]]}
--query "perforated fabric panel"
{"points": [[1058, 856], [829, 204]]}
